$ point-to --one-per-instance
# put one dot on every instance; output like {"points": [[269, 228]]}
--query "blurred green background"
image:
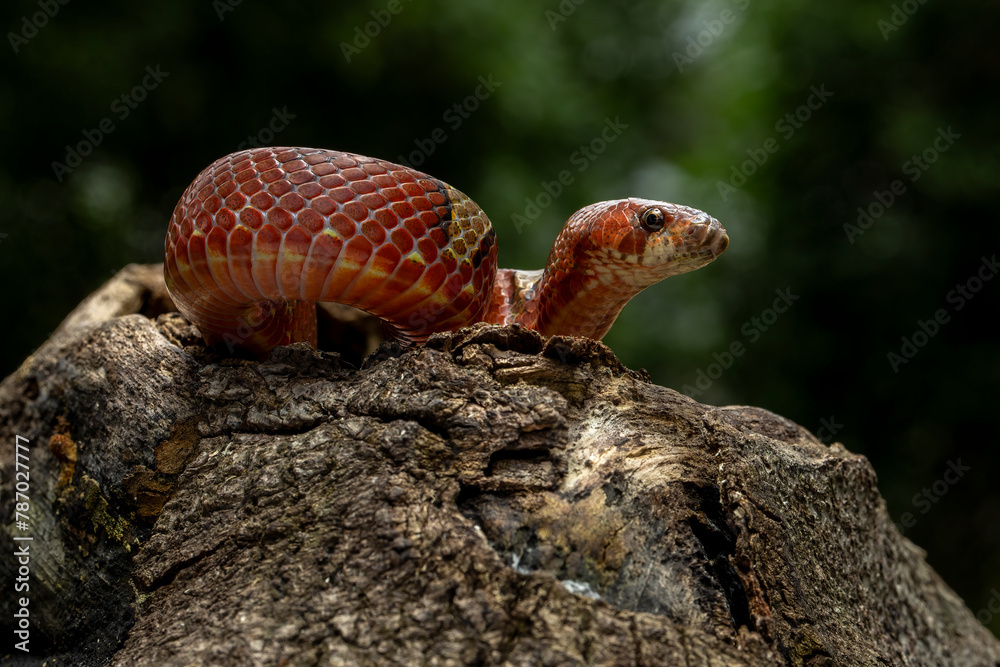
{"points": [[781, 120]]}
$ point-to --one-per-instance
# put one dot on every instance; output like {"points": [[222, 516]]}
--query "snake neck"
{"points": [[555, 302], [606, 254]]}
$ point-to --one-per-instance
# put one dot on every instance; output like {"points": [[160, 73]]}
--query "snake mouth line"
{"points": [[707, 236], [711, 249], [708, 240], [719, 245]]}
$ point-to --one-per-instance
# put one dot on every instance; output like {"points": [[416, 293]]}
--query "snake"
{"points": [[262, 234]]}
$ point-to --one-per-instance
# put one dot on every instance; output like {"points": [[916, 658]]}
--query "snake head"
{"points": [[636, 243], [610, 251]]}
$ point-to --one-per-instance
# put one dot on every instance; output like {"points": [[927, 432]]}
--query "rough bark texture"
{"points": [[490, 498]]}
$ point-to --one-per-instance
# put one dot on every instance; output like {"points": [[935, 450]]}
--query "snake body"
{"points": [[261, 234]]}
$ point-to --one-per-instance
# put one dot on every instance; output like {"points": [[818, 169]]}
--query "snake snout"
{"points": [[706, 232], [720, 244]]}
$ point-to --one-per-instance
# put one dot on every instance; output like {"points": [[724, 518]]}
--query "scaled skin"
{"points": [[605, 254], [262, 234]]}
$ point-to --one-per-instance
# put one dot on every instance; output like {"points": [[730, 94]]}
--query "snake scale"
{"points": [[262, 234]]}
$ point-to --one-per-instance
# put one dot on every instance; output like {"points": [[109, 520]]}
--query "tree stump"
{"points": [[490, 498]]}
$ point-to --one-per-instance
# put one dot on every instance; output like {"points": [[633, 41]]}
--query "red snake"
{"points": [[262, 234]]}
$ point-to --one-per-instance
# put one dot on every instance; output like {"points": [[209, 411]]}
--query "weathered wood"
{"points": [[489, 498]]}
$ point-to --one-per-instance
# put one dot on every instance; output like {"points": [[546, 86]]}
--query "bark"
{"points": [[490, 498]]}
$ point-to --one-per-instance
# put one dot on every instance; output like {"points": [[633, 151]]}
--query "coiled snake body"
{"points": [[262, 234]]}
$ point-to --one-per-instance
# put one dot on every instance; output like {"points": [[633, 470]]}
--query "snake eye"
{"points": [[652, 219]]}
